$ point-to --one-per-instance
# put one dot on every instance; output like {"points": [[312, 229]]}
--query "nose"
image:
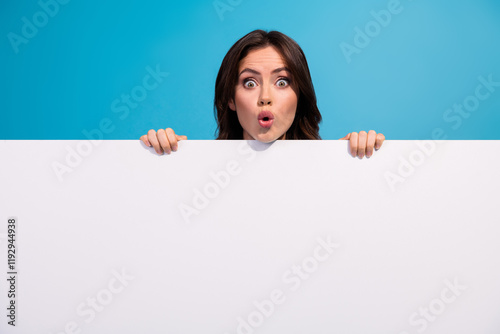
{"points": [[265, 102], [265, 97]]}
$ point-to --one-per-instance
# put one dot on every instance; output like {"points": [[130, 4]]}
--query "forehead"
{"points": [[267, 58]]}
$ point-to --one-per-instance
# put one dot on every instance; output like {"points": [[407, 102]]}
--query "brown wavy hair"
{"points": [[307, 116]]}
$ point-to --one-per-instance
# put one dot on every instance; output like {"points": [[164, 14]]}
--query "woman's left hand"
{"points": [[363, 143]]}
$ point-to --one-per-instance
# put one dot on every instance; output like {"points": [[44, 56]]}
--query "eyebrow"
{"points": [[279, 69]]}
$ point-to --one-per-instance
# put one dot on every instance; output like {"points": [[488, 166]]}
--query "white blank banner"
{"points": [[243, 237]]}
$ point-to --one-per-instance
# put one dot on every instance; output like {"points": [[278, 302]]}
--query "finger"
{"points": [[353, 143], [362, 144], [378, 142], [154, 141], [370, 143], [172, 138], [346, 137], [162, 138], [181, 137], [144, 139]]}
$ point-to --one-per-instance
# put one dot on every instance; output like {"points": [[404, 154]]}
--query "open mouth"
{"points": [[266, 119]]}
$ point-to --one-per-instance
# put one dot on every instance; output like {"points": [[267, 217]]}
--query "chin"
{"points": [[266, 138]]}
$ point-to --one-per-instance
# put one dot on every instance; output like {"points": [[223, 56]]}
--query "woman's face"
{"points": [[265, 98]]}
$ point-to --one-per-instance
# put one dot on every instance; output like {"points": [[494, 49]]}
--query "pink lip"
{"points": [[266, 119]]}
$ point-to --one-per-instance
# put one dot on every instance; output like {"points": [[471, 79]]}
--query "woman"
{"points": [[264, 92]]}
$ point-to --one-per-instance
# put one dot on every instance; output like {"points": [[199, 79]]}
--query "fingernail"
{"points": [[174, 148]]}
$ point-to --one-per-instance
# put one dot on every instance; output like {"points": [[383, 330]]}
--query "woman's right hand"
{"points": [[163, 140]]}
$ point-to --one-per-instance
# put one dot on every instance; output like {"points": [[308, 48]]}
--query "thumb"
{"points": [[181, 137], [347, 137]]}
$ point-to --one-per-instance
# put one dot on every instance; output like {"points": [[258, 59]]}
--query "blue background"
{"points": [[64, 80]]}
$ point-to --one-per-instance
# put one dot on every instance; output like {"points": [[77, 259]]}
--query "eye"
{"points": [[283, 82], [249, 83]]}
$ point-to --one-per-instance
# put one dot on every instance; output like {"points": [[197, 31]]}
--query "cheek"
{"points": [[244, 108], [290, 103], [243, 100]]}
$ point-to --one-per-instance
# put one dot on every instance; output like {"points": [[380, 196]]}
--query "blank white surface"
{"points": [[119, 209]]}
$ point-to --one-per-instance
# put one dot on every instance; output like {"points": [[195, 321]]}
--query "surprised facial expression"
{"points": [[265, 97]]}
